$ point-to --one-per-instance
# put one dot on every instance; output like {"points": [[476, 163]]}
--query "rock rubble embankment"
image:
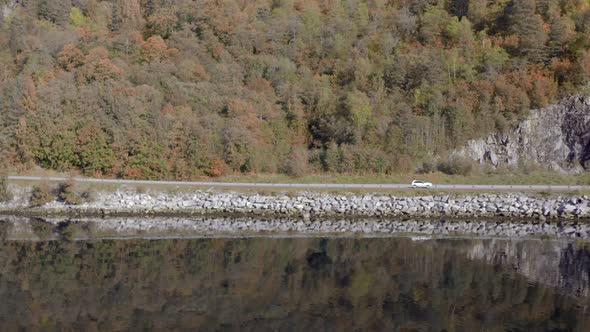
{"points": [[308, 204]]}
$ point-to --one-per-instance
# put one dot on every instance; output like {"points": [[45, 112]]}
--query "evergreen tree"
{"points": [[562, 31], [149, 7], [459, 8], [56, 11], [116, 18], [528, 26], [17, 35]]}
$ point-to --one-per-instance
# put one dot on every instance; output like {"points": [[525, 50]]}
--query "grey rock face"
{"points": [[556, 137], [7, 9]]}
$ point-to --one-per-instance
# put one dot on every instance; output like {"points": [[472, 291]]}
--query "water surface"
{"points": [[295, 284]]}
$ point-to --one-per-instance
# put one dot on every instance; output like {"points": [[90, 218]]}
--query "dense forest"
{"points": [[186, 88]]}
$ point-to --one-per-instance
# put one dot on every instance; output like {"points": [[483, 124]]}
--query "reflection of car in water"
{"points": [[421, 184]]}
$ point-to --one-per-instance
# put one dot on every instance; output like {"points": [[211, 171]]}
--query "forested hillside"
{"points": [[185, 88]]}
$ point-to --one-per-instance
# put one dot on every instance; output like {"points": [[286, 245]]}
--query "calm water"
{"points": [[294, 284]]}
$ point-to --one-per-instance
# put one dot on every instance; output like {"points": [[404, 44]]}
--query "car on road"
{"points": [[421, 184]]}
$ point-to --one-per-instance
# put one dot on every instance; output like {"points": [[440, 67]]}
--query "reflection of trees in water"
{"points": [[261, 284], [4, 227], [41, 228]]}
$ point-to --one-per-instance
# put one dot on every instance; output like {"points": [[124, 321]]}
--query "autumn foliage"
{"points": [[154, 48], [98, 67], [184, 89]]}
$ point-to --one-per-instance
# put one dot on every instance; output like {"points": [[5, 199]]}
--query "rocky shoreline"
{"points": [[310, 205]]}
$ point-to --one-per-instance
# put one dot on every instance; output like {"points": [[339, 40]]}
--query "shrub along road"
{"points": [[302, 185]]}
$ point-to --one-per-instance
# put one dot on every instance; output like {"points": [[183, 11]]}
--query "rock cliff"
{"points": [[7, 8], [556, 137]]}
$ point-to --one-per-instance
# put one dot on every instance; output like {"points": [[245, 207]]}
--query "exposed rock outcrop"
{"points": [[7, 8], [556, 137]]}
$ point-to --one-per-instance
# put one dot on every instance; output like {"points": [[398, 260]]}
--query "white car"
{"points": [[421, 184]]}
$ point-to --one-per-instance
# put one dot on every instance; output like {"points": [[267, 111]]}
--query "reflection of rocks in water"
{"points": [[552, 263], [214, 226], [574, 267], [291, 284]]}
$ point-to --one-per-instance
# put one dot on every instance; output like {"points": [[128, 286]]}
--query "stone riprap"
{"points": [[312, 204]]}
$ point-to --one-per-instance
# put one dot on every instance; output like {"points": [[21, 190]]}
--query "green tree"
{"points": [[360, 108], [77, 18], [432, 24], [461, 123], [460, 32]]}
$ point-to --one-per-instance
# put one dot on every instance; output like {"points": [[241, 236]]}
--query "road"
{"points": [[302, 185]]}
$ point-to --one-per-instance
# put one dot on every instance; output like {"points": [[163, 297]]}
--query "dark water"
{"points": [[295, 284]]}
